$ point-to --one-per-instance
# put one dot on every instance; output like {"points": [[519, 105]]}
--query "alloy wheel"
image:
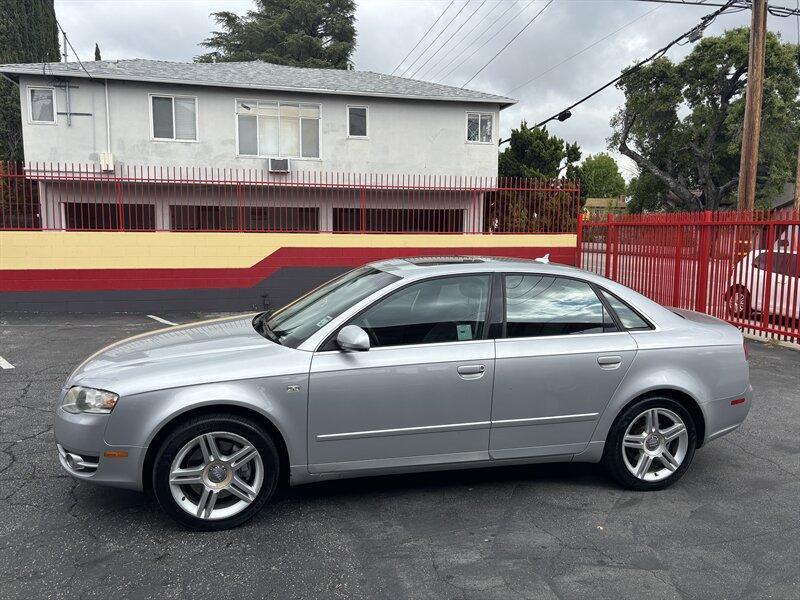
{"points": [[655, 444], [216, 475]]}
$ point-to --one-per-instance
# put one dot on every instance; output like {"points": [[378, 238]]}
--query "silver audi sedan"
{"points": [[404, 365]]}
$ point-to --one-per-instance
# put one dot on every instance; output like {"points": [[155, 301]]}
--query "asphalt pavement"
{"points": [[728, 529]]}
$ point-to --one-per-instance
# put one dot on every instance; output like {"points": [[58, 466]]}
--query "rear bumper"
{"points": [[84, 454], [726, 415]]}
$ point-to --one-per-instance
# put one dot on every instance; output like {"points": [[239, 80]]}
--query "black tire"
{"points": [[613, 460], [741, 312], [186, 432]]}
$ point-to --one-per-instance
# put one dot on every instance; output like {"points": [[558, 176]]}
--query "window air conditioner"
{"points": [[278, 165]]}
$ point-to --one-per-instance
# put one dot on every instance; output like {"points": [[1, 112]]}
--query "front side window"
{"points": [[539, 305], [284, 129], [295, 323], [448, 309], [42, 105], [357, 121], [479, 127], [174, 117]]}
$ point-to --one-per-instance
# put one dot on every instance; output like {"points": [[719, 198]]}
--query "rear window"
{"points": [[629, 318]]}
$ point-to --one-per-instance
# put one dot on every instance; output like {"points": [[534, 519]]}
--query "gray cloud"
{"points": [[388, 29]]}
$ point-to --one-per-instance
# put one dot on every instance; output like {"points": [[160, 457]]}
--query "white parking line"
{"points": [[160, 320], [5, 364]]}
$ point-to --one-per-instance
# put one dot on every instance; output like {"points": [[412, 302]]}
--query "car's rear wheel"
{"points": [[215, 472], [651, 444], [737, 302]]}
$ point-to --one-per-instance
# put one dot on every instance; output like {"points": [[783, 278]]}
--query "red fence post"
{"points": [[363, 208], [676, 281], [703, 259], [579, 238], [609, 241], [768, 270]]}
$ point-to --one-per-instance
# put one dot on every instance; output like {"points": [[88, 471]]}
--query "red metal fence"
{"points": [[739, 266], [81, 197]]}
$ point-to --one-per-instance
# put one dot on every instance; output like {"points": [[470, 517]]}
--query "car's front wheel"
{"points": [[215, 472], [651, 444]]}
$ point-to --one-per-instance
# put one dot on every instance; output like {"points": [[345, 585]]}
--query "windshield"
{"points": [[296, 322]]}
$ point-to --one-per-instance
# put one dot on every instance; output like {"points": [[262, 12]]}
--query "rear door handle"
{"points": [[471, 371], [609, 362]]}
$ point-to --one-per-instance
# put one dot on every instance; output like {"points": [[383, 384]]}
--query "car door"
{"points": [[561, 357], [420, 395]]}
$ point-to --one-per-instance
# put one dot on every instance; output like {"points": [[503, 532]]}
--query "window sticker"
{"points": [[464, 332]]}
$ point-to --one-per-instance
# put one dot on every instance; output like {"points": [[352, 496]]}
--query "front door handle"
{"points": [[609, 362], [471, 371]]}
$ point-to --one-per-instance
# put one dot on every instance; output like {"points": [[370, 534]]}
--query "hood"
{"points": [[210, 351]]}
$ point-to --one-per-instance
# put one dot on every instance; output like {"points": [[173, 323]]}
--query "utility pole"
{"points": [[796, 204], [751, 133]]}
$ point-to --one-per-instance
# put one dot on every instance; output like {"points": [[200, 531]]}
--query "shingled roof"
{"points": [[261, 76]]}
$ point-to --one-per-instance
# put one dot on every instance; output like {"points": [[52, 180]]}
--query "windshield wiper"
{"points": [[261, 326]]}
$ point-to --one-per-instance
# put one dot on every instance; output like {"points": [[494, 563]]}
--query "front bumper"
{"points": [[85, 455]]}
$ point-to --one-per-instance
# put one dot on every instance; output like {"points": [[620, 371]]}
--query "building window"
{"points": [[42, 105], [174, 118], [357, 121], [479, 127], [283, 129]]}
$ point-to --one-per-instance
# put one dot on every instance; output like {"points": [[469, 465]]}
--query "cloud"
{"points": [[388, 29]]}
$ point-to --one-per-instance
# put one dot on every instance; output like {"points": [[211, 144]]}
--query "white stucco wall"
{"points": [[408, 137]]}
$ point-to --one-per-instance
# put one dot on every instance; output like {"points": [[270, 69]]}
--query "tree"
{"points": [[301, 33], [646, 193], [682, 123], [600, 177], [534, 153], [28, 33], [97, 52]]}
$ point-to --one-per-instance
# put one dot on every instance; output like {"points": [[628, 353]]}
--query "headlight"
{"points": [[87, 400]]}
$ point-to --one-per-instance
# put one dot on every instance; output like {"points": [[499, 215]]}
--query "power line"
{"points": [[775, 10], [447, 41], [565, 114], [463, 38], [499, 52], [510, 6], [589, 47], [433, 41], [423, 37]]}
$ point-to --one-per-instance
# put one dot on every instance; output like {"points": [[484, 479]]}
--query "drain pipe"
{"points": [[108, 119]]}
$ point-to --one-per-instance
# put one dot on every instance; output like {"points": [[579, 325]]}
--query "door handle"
{"points": [[609, 362], [472, 371]]}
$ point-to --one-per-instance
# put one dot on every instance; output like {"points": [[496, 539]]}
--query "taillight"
{"points": [[746, 350]]}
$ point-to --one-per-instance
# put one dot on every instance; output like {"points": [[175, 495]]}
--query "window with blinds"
{"points": [[278, 129], [174, 118]]}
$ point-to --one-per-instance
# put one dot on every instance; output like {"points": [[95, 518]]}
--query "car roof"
{"points": [[426, 266]]}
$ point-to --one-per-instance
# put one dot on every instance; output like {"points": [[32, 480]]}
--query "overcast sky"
{"points": [[388, 29]]}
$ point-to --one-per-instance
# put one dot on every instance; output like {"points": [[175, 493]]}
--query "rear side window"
{"points": [[538, 305], [627, 316], [448, 309], [785, 263]]}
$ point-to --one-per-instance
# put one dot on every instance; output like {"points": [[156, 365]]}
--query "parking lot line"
{"points": [[5, 364], [160, 320]]}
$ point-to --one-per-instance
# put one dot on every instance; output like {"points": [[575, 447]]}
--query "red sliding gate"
{"points": [[739, 266]]}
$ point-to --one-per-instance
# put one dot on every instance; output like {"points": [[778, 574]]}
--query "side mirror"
{"points": [[352, 339]]}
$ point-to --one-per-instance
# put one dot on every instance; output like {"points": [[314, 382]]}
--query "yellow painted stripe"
{"points": [[172, 250]]}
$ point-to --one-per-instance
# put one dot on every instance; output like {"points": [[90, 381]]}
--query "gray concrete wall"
{"points": [[413, 137]]}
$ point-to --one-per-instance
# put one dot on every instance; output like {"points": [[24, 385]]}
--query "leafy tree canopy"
{"points": [[28, 33], [301, 33], [682, 123], [535, 153], [646, 193], [600, 177]]}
